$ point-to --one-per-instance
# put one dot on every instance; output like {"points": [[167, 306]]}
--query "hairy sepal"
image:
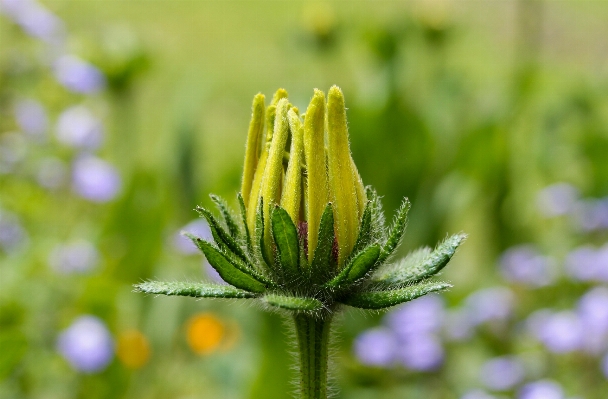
{"points": [[196, 290], [222, 237], [243, 209], [229, 221], [322, 259], [420, 264], [293, 303], [357, 267], [386, 298], [286, 240], [396, 232]]}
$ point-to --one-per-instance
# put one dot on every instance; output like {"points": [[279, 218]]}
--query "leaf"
{"points": [[411, 260], [358, 266], [222, 238], [293, 303], [244, 220], [196, 290], [421, 264], [230, 272], [364, 237], [377, 231], [285, 237], [396, 232], [387, 298], [259, 235], [322, 259], [222, 206]]}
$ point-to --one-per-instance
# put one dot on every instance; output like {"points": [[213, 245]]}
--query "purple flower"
{"points": [[543, 389], [95, 179], [52, 173], [198, 228], [557, 199], [31, 118], [502, 373], [560, 332], [79, 128], [12, 235], [421, 316], [376, 347], [477, 394], [422, 352], [605, 365], [588, 264], [458, 325], [78, 75], [76, 257], [490, 304], [524, 264], [35, 19], [592, 214], [87, 345], [592, 310]]}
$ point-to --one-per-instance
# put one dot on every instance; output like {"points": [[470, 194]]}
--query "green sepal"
{"points": [[420, 264], [224, 240], [196, 290], [244, 220], [285, 237], [258, 237], [364, 237], [386, 298], [396, 232], [231, 224], [322, 259], [357, 267], [301, 304], [378, 222], [232, 273]]}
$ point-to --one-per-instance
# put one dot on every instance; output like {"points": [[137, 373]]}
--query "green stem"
{"points": [[313, 341]]}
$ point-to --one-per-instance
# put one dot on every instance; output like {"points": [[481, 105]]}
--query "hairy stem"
{"points": [[313, 341]]}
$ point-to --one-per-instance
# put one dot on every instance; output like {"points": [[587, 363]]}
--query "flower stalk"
{"points": [[311, 239]]}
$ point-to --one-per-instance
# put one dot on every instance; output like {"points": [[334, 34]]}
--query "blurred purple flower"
{"points": [[421, 316], [477, 394], [13, 148], [31, 118], [35, 20], [605, 365], [79, 128], [502, 373], [588, 264], [52, 173], [95, 179], [592, 310], [12, 234], [376, 347], [592, 214], [458, 325], [422, 352], [197, 227], [78, 75], [524, 264], [490, 304], [87, 345], [543, 389], [76, 257], [557, 199], [560, 332]]}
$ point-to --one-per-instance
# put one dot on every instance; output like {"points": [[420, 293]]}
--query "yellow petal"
{"points": [[292, 189], [252, 150]]}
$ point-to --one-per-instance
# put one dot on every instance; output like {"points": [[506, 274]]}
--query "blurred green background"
{"points": [[118, 117]]}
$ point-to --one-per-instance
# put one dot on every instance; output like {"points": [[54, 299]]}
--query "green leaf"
{"points": [[322, 260], [196, 290], [412, 259], [396, 232], [222, 206], [385, 299], [421, 264], [293, 303], [230, 272], [285, 237], [357, 267], [378, 222], [259, 235], [244, 220], [222, 238], [364, 237]]}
